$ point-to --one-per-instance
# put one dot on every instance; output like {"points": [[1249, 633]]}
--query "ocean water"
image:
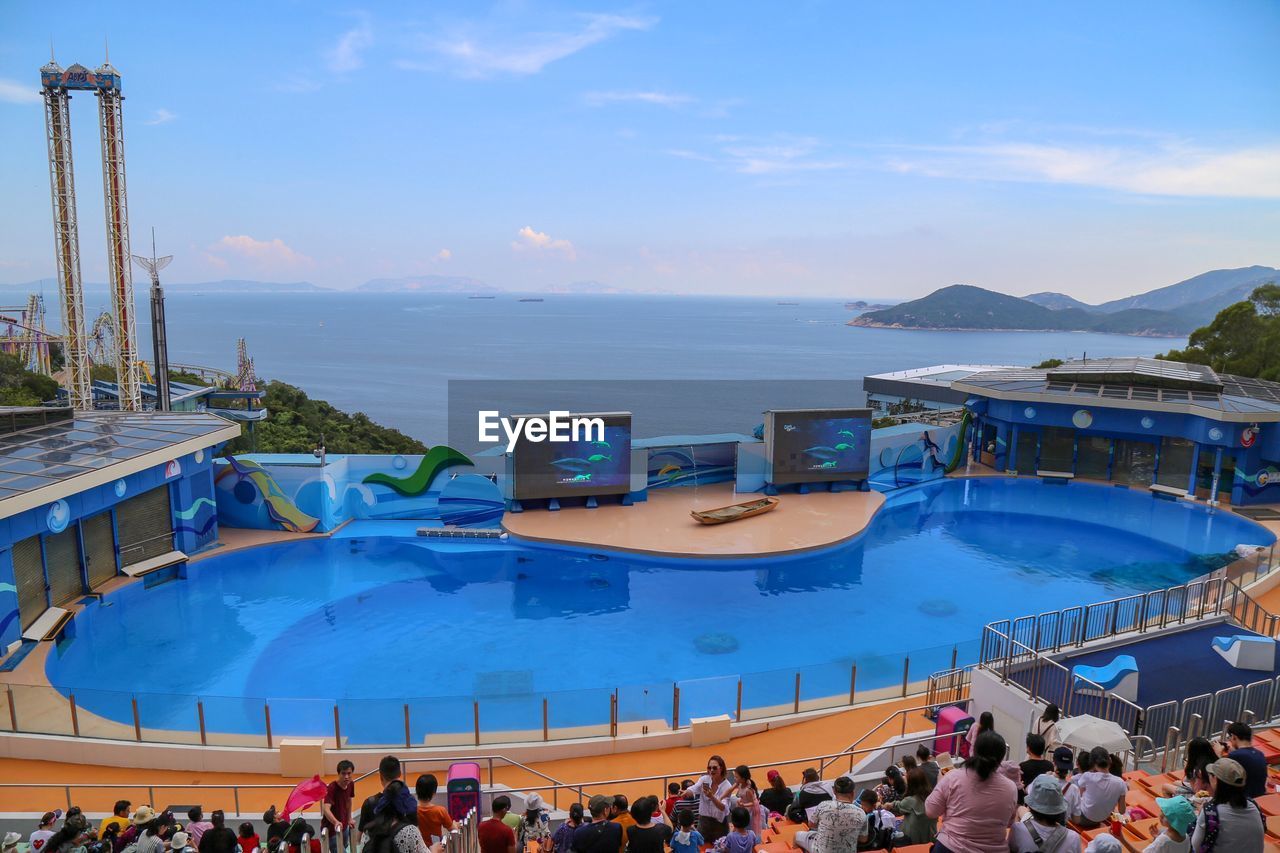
{"points": [[393, 355], [438, 623]]}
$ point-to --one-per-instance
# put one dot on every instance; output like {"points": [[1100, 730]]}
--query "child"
{"points": [[686, 838], [248, 839], [740, 838], [881, 824], [1176, 817]]}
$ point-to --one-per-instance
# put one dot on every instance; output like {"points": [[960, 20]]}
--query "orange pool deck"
{"points": [[662, 524], [763, 750]]}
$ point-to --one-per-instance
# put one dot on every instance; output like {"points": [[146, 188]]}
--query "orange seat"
{"points": [[915, 848], [1273, 826], [1142, 830], [786, 834], [1269, 804], [774, 847], [1134, 775], [1141, 800], [1270, 736]]}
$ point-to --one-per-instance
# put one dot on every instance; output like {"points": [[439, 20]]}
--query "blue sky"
{"points": [[845, 149]]}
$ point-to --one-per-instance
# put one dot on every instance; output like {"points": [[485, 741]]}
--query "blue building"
{"points": [[1180, 429], [88, 496]]}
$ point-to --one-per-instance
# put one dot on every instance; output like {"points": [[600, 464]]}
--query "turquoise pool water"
{"points": [[373, 623]]}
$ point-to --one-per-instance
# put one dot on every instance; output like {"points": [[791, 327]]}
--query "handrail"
{"points": [[579, 788], [489, 759], [901, 712]]}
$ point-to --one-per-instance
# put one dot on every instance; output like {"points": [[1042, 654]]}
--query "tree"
{"points": [[1048, 364], [21, 387], [1244, 338]]}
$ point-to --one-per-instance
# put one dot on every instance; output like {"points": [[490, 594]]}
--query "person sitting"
{"points": [[1176, 817], [812, 791], [247, 839], [218, 838], [1044, 829], [1231, 821], [882, 826], [892, 787], [930, 766], [1036, 763], [1100, 792], [917, 827], [119, 818], [1239, 748], [1195, 770], [839, 824], [1063, 761], [777, 797]]}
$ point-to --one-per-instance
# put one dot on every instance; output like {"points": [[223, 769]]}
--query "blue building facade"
{"points": [[87, 497], [1179, 428]]}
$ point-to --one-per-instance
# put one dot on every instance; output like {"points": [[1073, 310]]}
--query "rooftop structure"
{"points": [[1135, 383], [929, 387]]}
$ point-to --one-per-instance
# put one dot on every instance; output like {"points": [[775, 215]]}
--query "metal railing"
{"points": [[467, 721], [465, 836], [579, 790], [901, 715], [1045, 680]]}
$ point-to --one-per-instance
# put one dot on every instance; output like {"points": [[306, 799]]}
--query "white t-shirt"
{"points": [[1164, 844], [1099, 794], [39, 838]]}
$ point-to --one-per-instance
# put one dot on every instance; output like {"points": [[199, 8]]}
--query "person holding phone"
{"points": [[713, 800]]}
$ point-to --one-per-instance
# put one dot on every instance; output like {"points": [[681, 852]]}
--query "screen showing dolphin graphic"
{"points": [[818, 445], [593, 465]]}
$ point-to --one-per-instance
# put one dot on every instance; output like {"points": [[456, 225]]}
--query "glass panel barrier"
{"points": [[708, 697], [644, 708], [41, 710], [368, 723], [769, 693], [825, 685], [512, 718], [165, 718], [309, 718], [579, 713], [235, 720]]}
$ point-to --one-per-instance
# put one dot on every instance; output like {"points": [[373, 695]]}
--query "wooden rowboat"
{"points": [[733, 512]]}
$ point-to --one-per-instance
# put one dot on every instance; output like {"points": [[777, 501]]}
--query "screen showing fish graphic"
{"points": [[593, 465], [818, 445]]}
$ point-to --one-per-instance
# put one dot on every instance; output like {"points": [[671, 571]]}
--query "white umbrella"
{"points": [[1087, 731]]}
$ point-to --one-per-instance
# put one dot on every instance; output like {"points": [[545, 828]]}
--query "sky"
{"points": [[841, 149]]}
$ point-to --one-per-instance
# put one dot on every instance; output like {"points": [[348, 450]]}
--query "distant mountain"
{"points": [[962, 306], [234, 286], [428, 284], [1188, 305], [1202, 288], [1057, 301]]}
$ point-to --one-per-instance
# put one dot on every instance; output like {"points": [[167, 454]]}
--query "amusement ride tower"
{"points": [[56, 87]]}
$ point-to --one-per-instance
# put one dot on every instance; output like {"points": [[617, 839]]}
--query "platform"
{"points": [[662, 525]]}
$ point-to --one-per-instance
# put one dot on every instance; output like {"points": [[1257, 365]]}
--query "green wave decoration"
{"points": [[190, 512], [958, 456], [433, 462]]}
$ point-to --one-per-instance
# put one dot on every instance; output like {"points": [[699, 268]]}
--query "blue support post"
{"points": [[1195, 466]]}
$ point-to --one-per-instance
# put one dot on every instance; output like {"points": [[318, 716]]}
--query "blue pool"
{"points": [[372, 624]]}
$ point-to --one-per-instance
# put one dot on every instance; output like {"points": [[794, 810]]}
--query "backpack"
{"points": [[383, 841], [879, 837]]}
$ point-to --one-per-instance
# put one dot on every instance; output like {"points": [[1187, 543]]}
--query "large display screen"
{"points": [[818, 445], [591, 463]]}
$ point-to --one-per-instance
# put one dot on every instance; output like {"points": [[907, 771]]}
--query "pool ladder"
{"points": [[462, 533]]}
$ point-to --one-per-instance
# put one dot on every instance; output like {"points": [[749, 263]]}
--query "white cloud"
{"points": [[443, 255], [346, 54], [661, 99], [469, 54], [13, 92], [777, 155], [273, 252], [1166, 168], [160, 116], [537, 241]]}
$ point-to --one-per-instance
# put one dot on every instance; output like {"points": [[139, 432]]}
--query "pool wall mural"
{"points": [[692, 465], [292, 492]]}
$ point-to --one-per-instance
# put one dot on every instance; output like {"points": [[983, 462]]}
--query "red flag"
{"points": [[304, 794]]}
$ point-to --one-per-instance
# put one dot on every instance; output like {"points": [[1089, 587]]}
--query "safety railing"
{"points": [[465, 835], [471, 720], [1178, 721], [901, 716], [214, 796], [949, 687], [1045, 680]]}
